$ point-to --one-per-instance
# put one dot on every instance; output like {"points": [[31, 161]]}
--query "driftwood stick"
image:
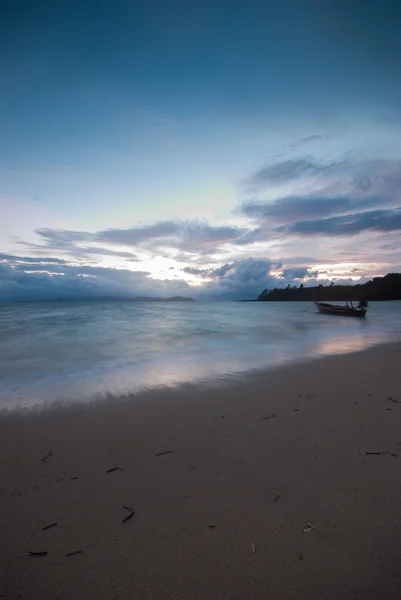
{"points": [[164, 452], [128, 517], [113, 469], [50, 526]]}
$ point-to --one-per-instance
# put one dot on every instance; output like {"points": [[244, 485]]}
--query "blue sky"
{"points": [[206, 148]]}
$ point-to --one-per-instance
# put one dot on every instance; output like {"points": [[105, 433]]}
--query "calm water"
{"points": [[60, 351]]}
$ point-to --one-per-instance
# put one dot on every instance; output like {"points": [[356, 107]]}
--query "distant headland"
{"points": [[379, 288]]}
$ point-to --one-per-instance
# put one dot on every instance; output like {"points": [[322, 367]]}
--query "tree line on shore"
{"points": [[379, 288]]}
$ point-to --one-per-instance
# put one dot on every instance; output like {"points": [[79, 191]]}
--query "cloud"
{"points": [[300, 207], [184, 235], [53, 281], [30, 259], [188, 236], [381, 177], [317, 137], [241, 279], [79, 244], [367, 198], [353, 224], [288, 170], [299, 273], [193, 271]]}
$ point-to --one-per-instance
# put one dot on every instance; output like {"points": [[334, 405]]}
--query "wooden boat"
{"points": [[346, 310]]}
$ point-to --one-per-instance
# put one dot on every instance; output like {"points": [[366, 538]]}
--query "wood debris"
{"points": [[164, 452], [128, 517], [50, 526], [113, 469]]}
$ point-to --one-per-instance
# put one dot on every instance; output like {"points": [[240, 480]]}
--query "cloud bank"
{"points": [[356, 201]]}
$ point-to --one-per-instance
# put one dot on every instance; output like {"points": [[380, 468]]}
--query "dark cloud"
{"points": [[240, 271], [301, 207], [353, 224], [236, 280], [30, 259], [241, 279], [317, 137], [285, 171], [64, 237], [389, 246], [381, 177], [193, 271], [53, 281], [73, 243], [189, 236], [298, 273], [185, 235]]}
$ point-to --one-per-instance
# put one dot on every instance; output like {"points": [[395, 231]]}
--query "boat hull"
{"points": [[342, 311]]}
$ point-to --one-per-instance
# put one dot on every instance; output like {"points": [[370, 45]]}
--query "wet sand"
{"points": [[279, 485]]}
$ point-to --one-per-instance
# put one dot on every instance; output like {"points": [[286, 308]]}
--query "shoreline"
{"points": [[214, 382], [225, 479]]}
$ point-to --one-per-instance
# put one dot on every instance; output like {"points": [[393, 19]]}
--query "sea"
{"points": [[65, 352]]}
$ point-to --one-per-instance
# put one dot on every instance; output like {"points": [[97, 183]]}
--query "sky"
{"points": [[204, 149]]}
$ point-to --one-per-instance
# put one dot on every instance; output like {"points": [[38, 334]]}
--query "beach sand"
{"points": [[272, 489]]}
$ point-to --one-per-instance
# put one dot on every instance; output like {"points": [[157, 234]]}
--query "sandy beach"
{"points": [[284, 484]]}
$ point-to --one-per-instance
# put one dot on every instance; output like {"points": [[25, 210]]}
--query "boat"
{"points": [[344, 310]]}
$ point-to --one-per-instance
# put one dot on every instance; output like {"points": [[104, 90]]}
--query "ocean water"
{"points": [[55, 352]]}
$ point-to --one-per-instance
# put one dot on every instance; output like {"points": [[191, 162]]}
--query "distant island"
{"points": [[106, 299], [379, 288]]}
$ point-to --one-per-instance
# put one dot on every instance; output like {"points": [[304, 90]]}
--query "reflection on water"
{"points": [[341, 346], [81, 350]]}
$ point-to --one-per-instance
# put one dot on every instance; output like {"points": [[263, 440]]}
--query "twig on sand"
{"points": [[74, 552], [50, 526], [72, 478], [44, 458], [269, 417], [113, 469], [164, 452], [394, 400], [128, 517], [43, 553], [128, 508], [308, 528], [277, 497], [385, 452]]}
